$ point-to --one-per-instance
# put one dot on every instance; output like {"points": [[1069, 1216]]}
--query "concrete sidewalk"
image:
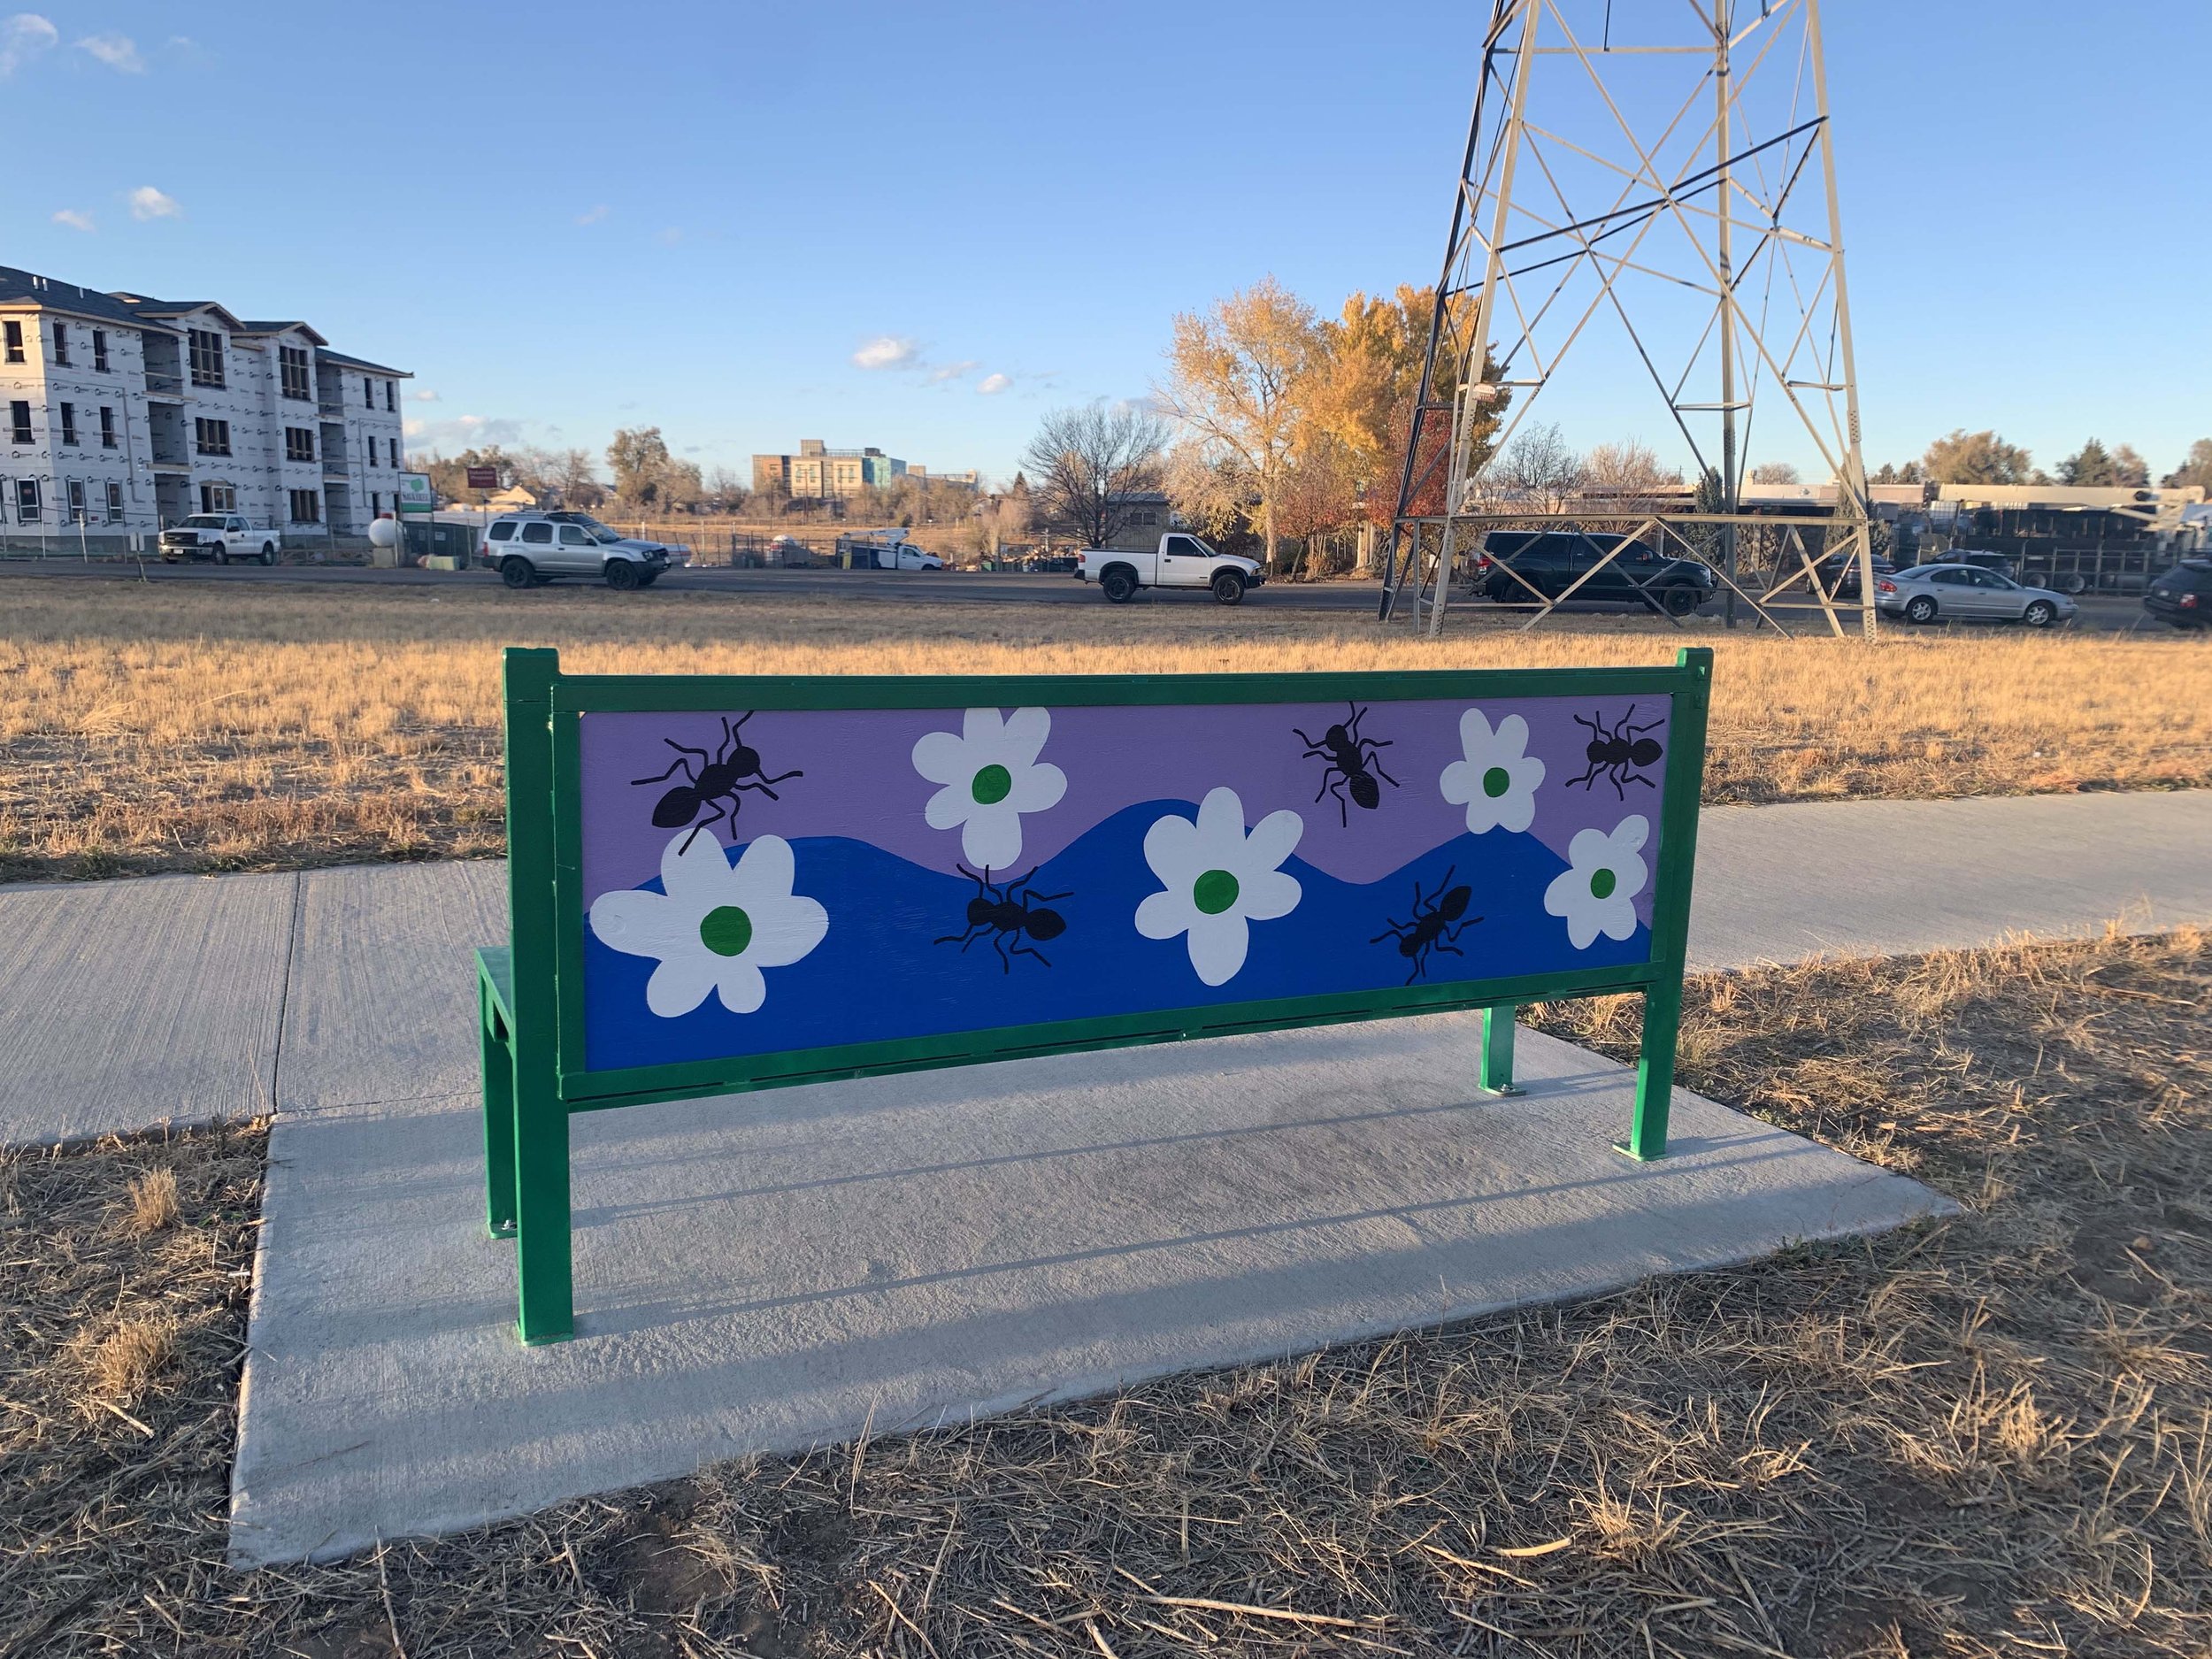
{"points": [[127, 1003], [775, 1271]]}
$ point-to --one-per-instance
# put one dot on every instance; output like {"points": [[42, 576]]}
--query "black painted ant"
{"points": [[1008, 907], [1350, 763], [1438, 920], [1614, 753], [715, 779]]}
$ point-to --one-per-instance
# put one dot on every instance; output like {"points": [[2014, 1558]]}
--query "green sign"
{"points": [[702, 868], [415, 494]]}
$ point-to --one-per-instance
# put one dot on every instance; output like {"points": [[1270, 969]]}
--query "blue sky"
{"points": [[568, 217]]}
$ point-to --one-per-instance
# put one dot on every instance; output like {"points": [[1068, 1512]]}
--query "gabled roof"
{"points": [[27, 288], [163, 310], [250, 327], [343, 361]]}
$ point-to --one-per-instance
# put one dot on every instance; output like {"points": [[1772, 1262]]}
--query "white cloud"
{"points": [[888, 351], [75, 221], [23, 37], [464, 432], [425, 396], [148, 202], [119, 52], [945, 371], [991, 384], [593, 215]]}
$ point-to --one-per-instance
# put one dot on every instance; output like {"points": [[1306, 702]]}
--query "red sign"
{"points": [[483, 478]]}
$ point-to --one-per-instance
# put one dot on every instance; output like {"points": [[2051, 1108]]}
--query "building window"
{"points": [[210, 437], [307, 506], [107, 427], [376, 503], [206, 347], [371, 449], [368, 391], [218, 498], [61, 343], [299, 443], [100, 349], [27, 508], [19, 420], [115, 502], [15, 342], [77, 514], [390, 408], [69, 423], [292, 365]]}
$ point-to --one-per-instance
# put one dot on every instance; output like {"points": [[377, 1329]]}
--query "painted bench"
{"points": [[719, 884]]}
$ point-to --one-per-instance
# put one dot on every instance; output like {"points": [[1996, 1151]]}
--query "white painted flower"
{"points": [[1218, 879], [1596, 893], [717, 926], [991, 776], [1497, 781]]}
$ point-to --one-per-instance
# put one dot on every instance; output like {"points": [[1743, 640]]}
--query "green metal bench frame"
{"points": [[529, 993]]}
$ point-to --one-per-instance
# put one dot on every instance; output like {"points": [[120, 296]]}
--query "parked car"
{"points": [[1178, 561], [1967, 592], [1838, 574], [1551, 562], [531, 548], [2182, 595], [884, 550], [221, 536]]}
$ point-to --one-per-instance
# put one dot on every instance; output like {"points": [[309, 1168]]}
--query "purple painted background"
{"points": [[861, 783]]}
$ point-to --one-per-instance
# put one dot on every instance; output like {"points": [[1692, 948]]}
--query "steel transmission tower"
{"points": [[1664, 174]]}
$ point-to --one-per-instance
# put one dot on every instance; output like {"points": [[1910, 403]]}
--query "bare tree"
{"points": [[1775, 472], [1088, 461], [1538, 466], [1628, 475]]}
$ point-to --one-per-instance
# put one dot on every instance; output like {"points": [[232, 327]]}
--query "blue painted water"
{"points": [[877, 975]]}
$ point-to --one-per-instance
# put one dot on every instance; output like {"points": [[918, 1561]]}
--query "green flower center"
{"points": [[1496, 781], [1602, 884], [726, 930], [1214, 891], [992, 785]]}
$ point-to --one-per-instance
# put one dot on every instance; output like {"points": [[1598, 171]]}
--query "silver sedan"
{"points": [[1926, 593]]}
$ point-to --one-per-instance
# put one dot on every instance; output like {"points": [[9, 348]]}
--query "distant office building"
{"points": [[817, 472], [969, 480], [127, 413]]}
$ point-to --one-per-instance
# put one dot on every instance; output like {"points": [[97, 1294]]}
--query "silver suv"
{"points": [[530, 548]]}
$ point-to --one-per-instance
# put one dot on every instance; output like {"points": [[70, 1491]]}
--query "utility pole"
{"points": [[1652, 180]]}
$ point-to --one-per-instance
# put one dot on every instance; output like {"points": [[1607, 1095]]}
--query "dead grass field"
{"points": [[1991, 1436], [197, 727]]}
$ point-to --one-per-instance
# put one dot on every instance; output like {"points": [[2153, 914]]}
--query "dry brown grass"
{"points": [[190, 727], [1988, 1436], [153, 1200]]}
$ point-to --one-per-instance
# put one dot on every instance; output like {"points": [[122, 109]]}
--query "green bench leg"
{"points": [[1497, 1049], [499, 1120], [542, 1255], [1655, 1072]]}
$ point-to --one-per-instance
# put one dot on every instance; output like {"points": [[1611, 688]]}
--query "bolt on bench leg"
{"points": [[499, 1121], [1655, 1073], [1497, 1049]]}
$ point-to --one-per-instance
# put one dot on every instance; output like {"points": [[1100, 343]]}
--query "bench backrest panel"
{"points": [[748, 883]]}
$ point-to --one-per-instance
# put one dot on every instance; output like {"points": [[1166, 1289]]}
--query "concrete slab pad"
{"points": [[124, 1004], [382, 1004], [774, 1271], [1897, 878]]}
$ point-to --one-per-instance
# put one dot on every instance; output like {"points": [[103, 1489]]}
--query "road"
{"points": [[2101, 614]]}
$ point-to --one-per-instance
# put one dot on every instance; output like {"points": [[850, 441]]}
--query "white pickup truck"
{"points": [[221, 536], [1180, 561]]}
